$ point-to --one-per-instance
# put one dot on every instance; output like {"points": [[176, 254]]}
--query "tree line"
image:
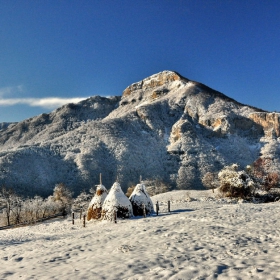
{"points": [[15, 209]]}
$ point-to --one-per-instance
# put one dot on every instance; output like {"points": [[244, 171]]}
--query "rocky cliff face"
{"points": [[270, 122], [163, 126]]}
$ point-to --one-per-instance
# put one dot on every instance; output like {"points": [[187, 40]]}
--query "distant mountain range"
{"points": [[164, 126]]}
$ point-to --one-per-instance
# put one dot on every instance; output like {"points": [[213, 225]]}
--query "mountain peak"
{"points": [[153, 81]]}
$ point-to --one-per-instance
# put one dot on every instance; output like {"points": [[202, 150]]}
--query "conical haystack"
{"points": [[116, 201], [140, 197], [95, 206]]}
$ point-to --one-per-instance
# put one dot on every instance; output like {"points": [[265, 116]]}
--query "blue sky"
{"points": [[55, 52]]}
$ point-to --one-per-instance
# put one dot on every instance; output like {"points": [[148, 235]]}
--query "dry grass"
{"points": [[94, 214]]}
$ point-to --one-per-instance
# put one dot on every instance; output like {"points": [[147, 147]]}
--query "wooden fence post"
{"points": [[73, 217], [168, 206], [84, 222], [157, 208], [144, 210], [115, 216], [81, 213]]}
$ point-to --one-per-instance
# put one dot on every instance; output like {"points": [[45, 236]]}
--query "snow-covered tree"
{"points": [[80, 203], [16, 209], [49, 207], [8, 199], [234, 183]]}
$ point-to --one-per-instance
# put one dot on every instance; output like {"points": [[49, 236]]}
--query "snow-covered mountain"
{"points": [[164, 126], [4, 125]]}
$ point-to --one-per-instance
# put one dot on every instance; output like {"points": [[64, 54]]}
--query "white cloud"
{"points": [[9, 96], [10, 90], [49, 102]]}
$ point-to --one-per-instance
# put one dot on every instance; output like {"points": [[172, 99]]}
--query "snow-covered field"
{"points": [[199, 239]]}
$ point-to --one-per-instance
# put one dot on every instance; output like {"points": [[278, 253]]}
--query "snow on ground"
{"points": [[202, 238]]}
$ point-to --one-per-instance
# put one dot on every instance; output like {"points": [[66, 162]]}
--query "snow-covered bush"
{"points": [[32, 209], [117, 201], [140, 198], [95, 205], [234, 183], [49, 207], [80, 203]]}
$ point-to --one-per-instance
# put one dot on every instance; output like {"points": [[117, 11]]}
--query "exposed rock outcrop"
{"points": [[270, 122]]}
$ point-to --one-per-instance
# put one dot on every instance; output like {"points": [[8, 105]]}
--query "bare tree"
{"points": [[261, 171], [156, 186], [81, 201], [63, 196], [16, 209], [7, 199], [210, 180]]}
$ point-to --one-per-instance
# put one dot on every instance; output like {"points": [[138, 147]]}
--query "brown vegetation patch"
{"points": [[94, 214], [99, 192]]}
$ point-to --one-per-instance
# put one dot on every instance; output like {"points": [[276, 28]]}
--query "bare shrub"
{"points": [[130, 191], [210, 180], [261, 171], [63, 196]]}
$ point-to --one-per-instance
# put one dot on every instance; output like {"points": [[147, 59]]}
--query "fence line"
{"points": [[31, 223]]}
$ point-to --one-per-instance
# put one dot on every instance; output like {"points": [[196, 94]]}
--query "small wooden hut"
{"points": [[117, 201], [140, 198]]}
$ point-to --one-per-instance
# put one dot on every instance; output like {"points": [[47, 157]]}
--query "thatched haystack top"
{"points": [[99, 197], [139, 197], [117, 201]]}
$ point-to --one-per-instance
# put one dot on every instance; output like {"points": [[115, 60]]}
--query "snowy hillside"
{"points": [[4, 125], [164, 126], [202, 238]]}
